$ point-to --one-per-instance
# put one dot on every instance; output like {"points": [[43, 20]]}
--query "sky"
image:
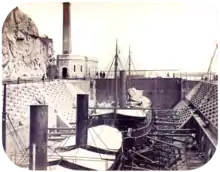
{"points": [[162, 35]]}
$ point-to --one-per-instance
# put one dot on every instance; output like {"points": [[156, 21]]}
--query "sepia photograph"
{"points": [[110, 86]]}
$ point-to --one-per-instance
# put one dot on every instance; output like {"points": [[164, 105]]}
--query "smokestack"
{"points": [[82, 120], [66, 29], [38, 137], [122, 89]]}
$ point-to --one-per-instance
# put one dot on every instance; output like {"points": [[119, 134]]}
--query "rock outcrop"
{"points": [[24, 53]]}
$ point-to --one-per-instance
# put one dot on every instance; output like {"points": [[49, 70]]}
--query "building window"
{"points": [[74, 68], [81, 68]]}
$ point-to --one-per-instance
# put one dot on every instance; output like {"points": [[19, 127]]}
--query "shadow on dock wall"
{"points": [[187, 86], [164, 93], [84, 85]]}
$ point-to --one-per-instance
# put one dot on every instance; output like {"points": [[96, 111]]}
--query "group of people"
{"points": [[214, 78], [101, 74], [168, 75]]}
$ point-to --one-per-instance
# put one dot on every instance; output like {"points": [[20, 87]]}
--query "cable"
{"points": [[67, 138], [19, 139], [13, 138], [54, 151], [100, 138], [95, 145], [24, 158]]}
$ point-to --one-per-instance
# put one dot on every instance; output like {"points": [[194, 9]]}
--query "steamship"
{"points": [[122, 122]]}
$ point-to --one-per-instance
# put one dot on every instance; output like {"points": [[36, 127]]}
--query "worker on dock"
{"points": [[43, 78]]}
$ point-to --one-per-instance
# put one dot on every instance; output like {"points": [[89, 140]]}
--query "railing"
{"points": [[27, 81], [134, 74], [17, 158], [167, 73], [24, 81]]}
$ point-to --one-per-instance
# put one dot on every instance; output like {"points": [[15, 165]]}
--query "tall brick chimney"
{"points": [[67, 45]]}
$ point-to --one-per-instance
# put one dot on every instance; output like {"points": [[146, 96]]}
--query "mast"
{"points": [[115, 78], [129, 61]]}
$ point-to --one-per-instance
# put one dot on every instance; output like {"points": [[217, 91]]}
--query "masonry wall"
{"points": [[164, 93]]}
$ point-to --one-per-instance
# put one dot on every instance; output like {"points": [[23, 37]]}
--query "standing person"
{"points": [[18, 80], [103, 74], [97, 74], [43, 78], [100, 74]]}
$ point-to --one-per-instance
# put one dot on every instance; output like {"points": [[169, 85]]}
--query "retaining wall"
{"points": [[163, 92]]}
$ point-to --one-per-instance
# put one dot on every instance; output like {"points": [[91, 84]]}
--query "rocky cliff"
{"points": [[24, 53]]}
